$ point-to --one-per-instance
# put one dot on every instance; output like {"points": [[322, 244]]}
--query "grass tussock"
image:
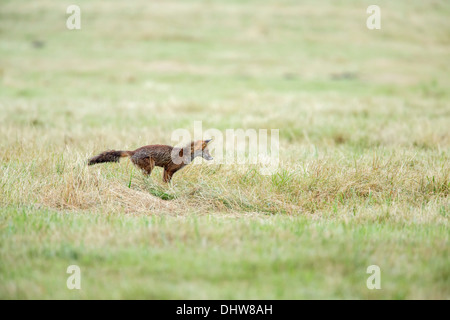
{"points": [[312, 185]]}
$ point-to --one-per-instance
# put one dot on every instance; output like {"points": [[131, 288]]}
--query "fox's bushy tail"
{"points": [[109, 156]]}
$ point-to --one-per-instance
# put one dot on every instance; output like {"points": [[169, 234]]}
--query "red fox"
{"points": [[170, 158]]}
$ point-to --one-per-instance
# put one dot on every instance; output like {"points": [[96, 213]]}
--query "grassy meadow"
{"points": [[364, 174]]}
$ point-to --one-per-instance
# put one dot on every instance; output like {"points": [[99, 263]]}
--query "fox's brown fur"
{"points": [[147, 157]]}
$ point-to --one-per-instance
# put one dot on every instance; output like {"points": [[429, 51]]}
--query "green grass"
{"points": [[364, 173], [217, 257]]}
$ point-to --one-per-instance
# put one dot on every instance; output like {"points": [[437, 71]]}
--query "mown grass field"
{"points": [[364, 176]]}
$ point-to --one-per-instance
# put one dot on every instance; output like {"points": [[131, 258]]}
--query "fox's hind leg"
{"points": [[167, 176], [146, 164]]}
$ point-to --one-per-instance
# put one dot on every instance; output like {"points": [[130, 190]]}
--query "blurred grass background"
{"points": [[364, 163]]}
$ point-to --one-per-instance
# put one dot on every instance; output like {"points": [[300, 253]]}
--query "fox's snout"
{"points": [[206, 155]]}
